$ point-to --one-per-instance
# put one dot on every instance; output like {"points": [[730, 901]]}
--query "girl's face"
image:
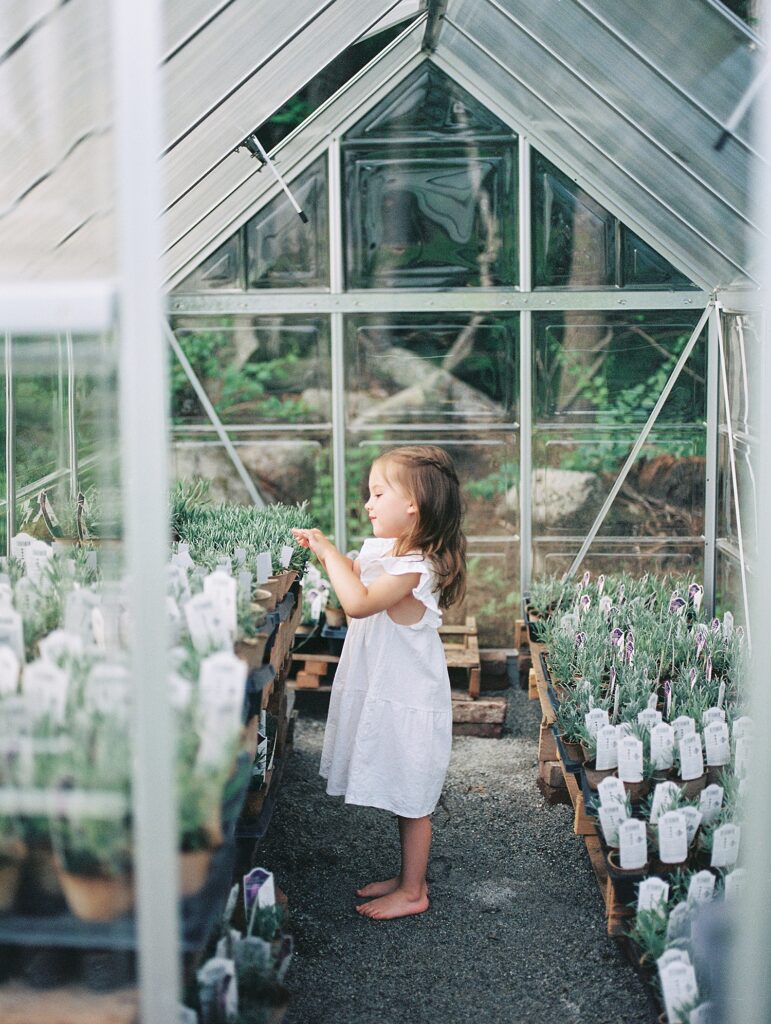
{"points": [[390, 511]]}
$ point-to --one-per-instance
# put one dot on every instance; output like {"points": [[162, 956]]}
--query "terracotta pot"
{"points": [[692, 787], [251, 649], [594, 776], [637, 790], [96, 898], [573, 750], [614, 858], [335, 617], [272, 587], [284, 580], [193, 870]]}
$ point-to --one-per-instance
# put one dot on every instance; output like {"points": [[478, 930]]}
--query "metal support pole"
{"points": [[337, 342], [710, 483], [10, 446], [525, 373], [211, 412], [143, 398], [72, 436], [642, 438], [732, 461]]}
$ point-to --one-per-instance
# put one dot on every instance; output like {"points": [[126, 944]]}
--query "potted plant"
{"points": [[333, 613], [199, 803]]}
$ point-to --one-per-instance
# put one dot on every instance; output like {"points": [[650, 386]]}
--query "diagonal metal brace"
{"points": [[642, 438]]}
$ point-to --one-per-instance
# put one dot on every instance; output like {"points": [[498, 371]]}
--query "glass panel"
{"points": [[283, 468], [741, 342], [746, 460], [282, 250], [431, 217], [663, 495], [643, 267], [728, 586], [573, 236], [428, 104], [439, 368], [488, 468], [610, 368], [430, 191], [223, 270], [255, 369], [608, 555]]}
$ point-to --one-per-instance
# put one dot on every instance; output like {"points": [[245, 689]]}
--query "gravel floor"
{"points": [[515, 932]]}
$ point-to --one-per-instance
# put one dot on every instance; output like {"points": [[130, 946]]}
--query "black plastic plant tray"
{"points": [[286, 605], [574, 767], [254, 829], [551, 692], [335, 638], [198, 914], [256, 682]]}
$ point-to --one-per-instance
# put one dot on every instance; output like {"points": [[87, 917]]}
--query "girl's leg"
{"points": [[411, 895], [388, 884]]}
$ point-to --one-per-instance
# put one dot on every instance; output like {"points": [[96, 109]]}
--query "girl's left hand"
{"points": [[315, 540]]}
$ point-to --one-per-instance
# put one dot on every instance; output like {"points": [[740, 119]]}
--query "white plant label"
{"points": [[673, 955], [607, 748], [177, 582], [611, 790], [653, 701], [207, 628], [741, 727], [98, 628], [691, 757], [665, 796], [703, 1014], [45, 686], [182, 557], [180, 691], [10, 666], [623, 729], [717, 743], [26, 597], [108, 690], [239, 557], [721, 694], [692, 821], [725, 846], [12, 631], [224, 565], [285, 557], [735, 883], [61, 643], [630, 760], [245, 584], [263, 566], [37, 558], [649, 718], [678, 985], [222, 682], [712, 715], [652, 894], [633, 844], [701, 888], [19, 545], [595, 720], [223, 590], [611, 816], [742, 754], [679, 923], [710, 802], [662, 746], [78, 606], [682, 726], [673, 837]]}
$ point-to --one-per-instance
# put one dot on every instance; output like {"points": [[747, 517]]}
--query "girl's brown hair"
{"points": [[427, 476]]}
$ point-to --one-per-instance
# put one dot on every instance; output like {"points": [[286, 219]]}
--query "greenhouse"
{"points": [[263, 264]]}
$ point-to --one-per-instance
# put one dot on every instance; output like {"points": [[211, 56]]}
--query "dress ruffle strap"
{"points": [[375, 560]]}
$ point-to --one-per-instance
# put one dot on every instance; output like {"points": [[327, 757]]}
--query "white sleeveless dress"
{"points": [[389, 730]]}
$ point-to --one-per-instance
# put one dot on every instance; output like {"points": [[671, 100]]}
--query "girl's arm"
{"points": [[356, 600]]}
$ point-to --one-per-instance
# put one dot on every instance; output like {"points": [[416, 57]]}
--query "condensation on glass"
{"points": [[430, 192], [275, 248]]}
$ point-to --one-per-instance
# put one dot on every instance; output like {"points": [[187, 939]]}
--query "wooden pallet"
{"points": [[461, 648], [70, 1004]]}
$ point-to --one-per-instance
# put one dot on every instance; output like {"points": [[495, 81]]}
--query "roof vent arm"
{"points": [[255, 147], [436, 11]]}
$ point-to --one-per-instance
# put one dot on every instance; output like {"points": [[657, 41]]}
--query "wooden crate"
{"points": [[461, 648], [70, 1004]]}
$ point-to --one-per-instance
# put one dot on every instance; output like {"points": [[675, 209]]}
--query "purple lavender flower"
{"points": [[629, 650], [605, 606], [693, 675], [580, 638], [696, 594], [716, 625], [585, 580], [676, 603], [585, 602], [740, 633], [620, 593], [617, 637], [701, 638], [600, 585]]}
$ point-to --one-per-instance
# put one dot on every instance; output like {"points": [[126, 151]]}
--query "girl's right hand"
{"points": [[315, 540]]}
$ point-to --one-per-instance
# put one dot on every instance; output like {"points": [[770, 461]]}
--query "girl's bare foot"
{"points": [[395, 904], [381, 888]]}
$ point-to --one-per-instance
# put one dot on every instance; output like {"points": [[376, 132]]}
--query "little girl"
{"points": [[389, 730]]}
